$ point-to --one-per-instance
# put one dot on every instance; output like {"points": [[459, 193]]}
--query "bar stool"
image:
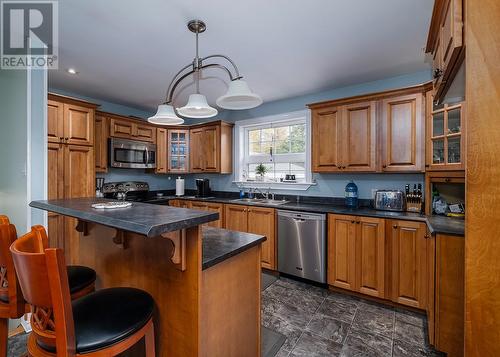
{"points": [[103, 323], [12, 304]]}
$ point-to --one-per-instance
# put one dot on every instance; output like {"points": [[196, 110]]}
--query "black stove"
{"points": [[128, 190]]}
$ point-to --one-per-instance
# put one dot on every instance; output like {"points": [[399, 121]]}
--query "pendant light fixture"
{"points": [[238, 97]]}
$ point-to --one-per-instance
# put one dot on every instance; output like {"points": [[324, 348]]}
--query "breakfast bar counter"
{"points": [[205, 281]]}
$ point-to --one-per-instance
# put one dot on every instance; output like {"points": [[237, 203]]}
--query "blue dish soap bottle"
{"points": [[351, 195]]}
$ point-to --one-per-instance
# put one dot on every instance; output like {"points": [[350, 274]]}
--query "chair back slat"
{"points": [[44, 283], [10, 292]]}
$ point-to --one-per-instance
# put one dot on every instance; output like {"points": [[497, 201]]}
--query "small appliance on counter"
{"points": [[179, 186], [99, 182], [351, 195], [202, 187], [390, 200]]}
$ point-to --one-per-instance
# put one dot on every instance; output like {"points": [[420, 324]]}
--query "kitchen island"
{"points": [[205, 281]]}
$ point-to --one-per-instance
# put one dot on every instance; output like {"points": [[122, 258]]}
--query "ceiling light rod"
{"points": [[197, 27], [238, 96]]}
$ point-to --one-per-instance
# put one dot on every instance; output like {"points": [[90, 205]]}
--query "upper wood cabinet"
{"points": [[409, 284], [356, 254], [210, 148], [178, 151], [125, 128], [161, 151], [403, 134], [70, 121], [101, 143], [446, 43], [344, 138], [446, 126], [378, 132]]}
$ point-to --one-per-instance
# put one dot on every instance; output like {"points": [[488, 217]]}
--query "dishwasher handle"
{"points": [[302, 216]]}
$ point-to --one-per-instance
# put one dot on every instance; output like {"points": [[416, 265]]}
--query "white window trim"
{"points": [[240, 129]]}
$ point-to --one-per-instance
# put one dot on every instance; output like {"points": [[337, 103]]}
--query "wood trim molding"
{"points": [[72, 100], [178, 239], [420, 88]]}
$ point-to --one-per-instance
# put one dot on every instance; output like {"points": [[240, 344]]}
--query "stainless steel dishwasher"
{"points": [[302, 244]]}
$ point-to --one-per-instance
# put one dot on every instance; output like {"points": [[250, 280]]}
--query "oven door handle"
{"points": [[147, 156]]}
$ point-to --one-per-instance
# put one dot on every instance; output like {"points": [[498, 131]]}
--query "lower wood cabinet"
{"points": [[356, 254], [409, 246], [180, 203], [257, 220], [203, 206]]}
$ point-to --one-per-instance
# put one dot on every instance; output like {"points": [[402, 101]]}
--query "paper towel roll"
{"points": [[179, 186]]}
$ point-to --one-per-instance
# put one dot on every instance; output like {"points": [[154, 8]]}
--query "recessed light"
{"points": [[72, 71]]}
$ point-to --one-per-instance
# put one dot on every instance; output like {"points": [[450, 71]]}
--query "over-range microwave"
{"points": [[131, 154]]}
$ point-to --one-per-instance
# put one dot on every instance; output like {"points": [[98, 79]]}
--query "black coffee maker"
{"points": [[202, 187]]}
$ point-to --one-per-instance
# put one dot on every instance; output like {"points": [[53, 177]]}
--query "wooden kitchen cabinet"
{"points": [[445, 137], [125, 128], [79, 171], [70, 121], [257, 220], [450, 295], [409, 243], [262, 221], [101, 143], [345, 138], [446, 43], [161, 151], [431, 286], [178, 151], [180, 203], [210, 148], [356, 254], [219, 208], [403, 134]]}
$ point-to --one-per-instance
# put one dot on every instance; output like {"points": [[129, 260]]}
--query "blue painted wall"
{"points": [[327, 184]]}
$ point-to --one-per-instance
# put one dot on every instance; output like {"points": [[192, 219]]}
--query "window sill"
{"points": [[292, 186]]}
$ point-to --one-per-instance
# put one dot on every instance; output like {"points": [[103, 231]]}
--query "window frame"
{"points": [[242, 128]]}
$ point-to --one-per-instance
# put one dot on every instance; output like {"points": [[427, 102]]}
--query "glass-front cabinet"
{"points": [[446, 137], [178, 151]]}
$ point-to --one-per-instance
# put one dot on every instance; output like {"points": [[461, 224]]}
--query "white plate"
{"points": [[111, 205]]}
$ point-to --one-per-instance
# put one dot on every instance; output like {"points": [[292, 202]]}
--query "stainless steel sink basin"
{"points": [[260, 200]]}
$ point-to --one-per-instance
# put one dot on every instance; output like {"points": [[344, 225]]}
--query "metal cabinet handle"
{"points": [[384, 166], [353, 222], [395, 226], [426, 236], [358, 222]]}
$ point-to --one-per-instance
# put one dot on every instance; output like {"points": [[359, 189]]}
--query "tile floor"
{"points": [[318, 322]]}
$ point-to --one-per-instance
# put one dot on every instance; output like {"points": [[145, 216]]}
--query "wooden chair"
{"points": [[11, 299], [103, 323]]}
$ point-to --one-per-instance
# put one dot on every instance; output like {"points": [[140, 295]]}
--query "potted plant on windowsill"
{"points": [[260, 172]]}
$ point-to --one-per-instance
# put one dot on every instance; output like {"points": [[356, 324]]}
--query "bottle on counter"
{"points": [[351, 195]]}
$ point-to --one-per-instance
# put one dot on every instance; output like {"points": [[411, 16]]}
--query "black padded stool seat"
{"points": [[79, 277], [108, 316]]}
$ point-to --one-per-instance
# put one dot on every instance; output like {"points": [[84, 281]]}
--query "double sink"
{"points": [[260, 201]]}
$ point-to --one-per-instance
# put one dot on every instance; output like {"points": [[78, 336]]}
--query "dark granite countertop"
{"points": [[436, 224], [142, 218], [221, 244]]}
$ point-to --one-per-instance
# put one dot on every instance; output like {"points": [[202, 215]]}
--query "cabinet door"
{"points": [[262, 221], [219, 208], [78, 125], [202, 206], [144, 132], [55, 121], [359, 139], [211, 148], [120, 128], [409, 263], [78, 171], [55, 190], [236, 218], [341, 251], [370, 256], [161, 151], [403, 134], [178, 151], [431, 276], [101, 144], [196, 150], [326, 126], [451, 34]]}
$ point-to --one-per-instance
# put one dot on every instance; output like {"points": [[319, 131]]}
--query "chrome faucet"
{"points": [[264, 194]]}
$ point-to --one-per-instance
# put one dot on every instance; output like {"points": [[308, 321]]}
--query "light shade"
{"points": [[239, 96], [197, 107], [165, 115]]}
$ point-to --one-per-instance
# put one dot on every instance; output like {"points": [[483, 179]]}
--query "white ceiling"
{"points": [[127, 51]]}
